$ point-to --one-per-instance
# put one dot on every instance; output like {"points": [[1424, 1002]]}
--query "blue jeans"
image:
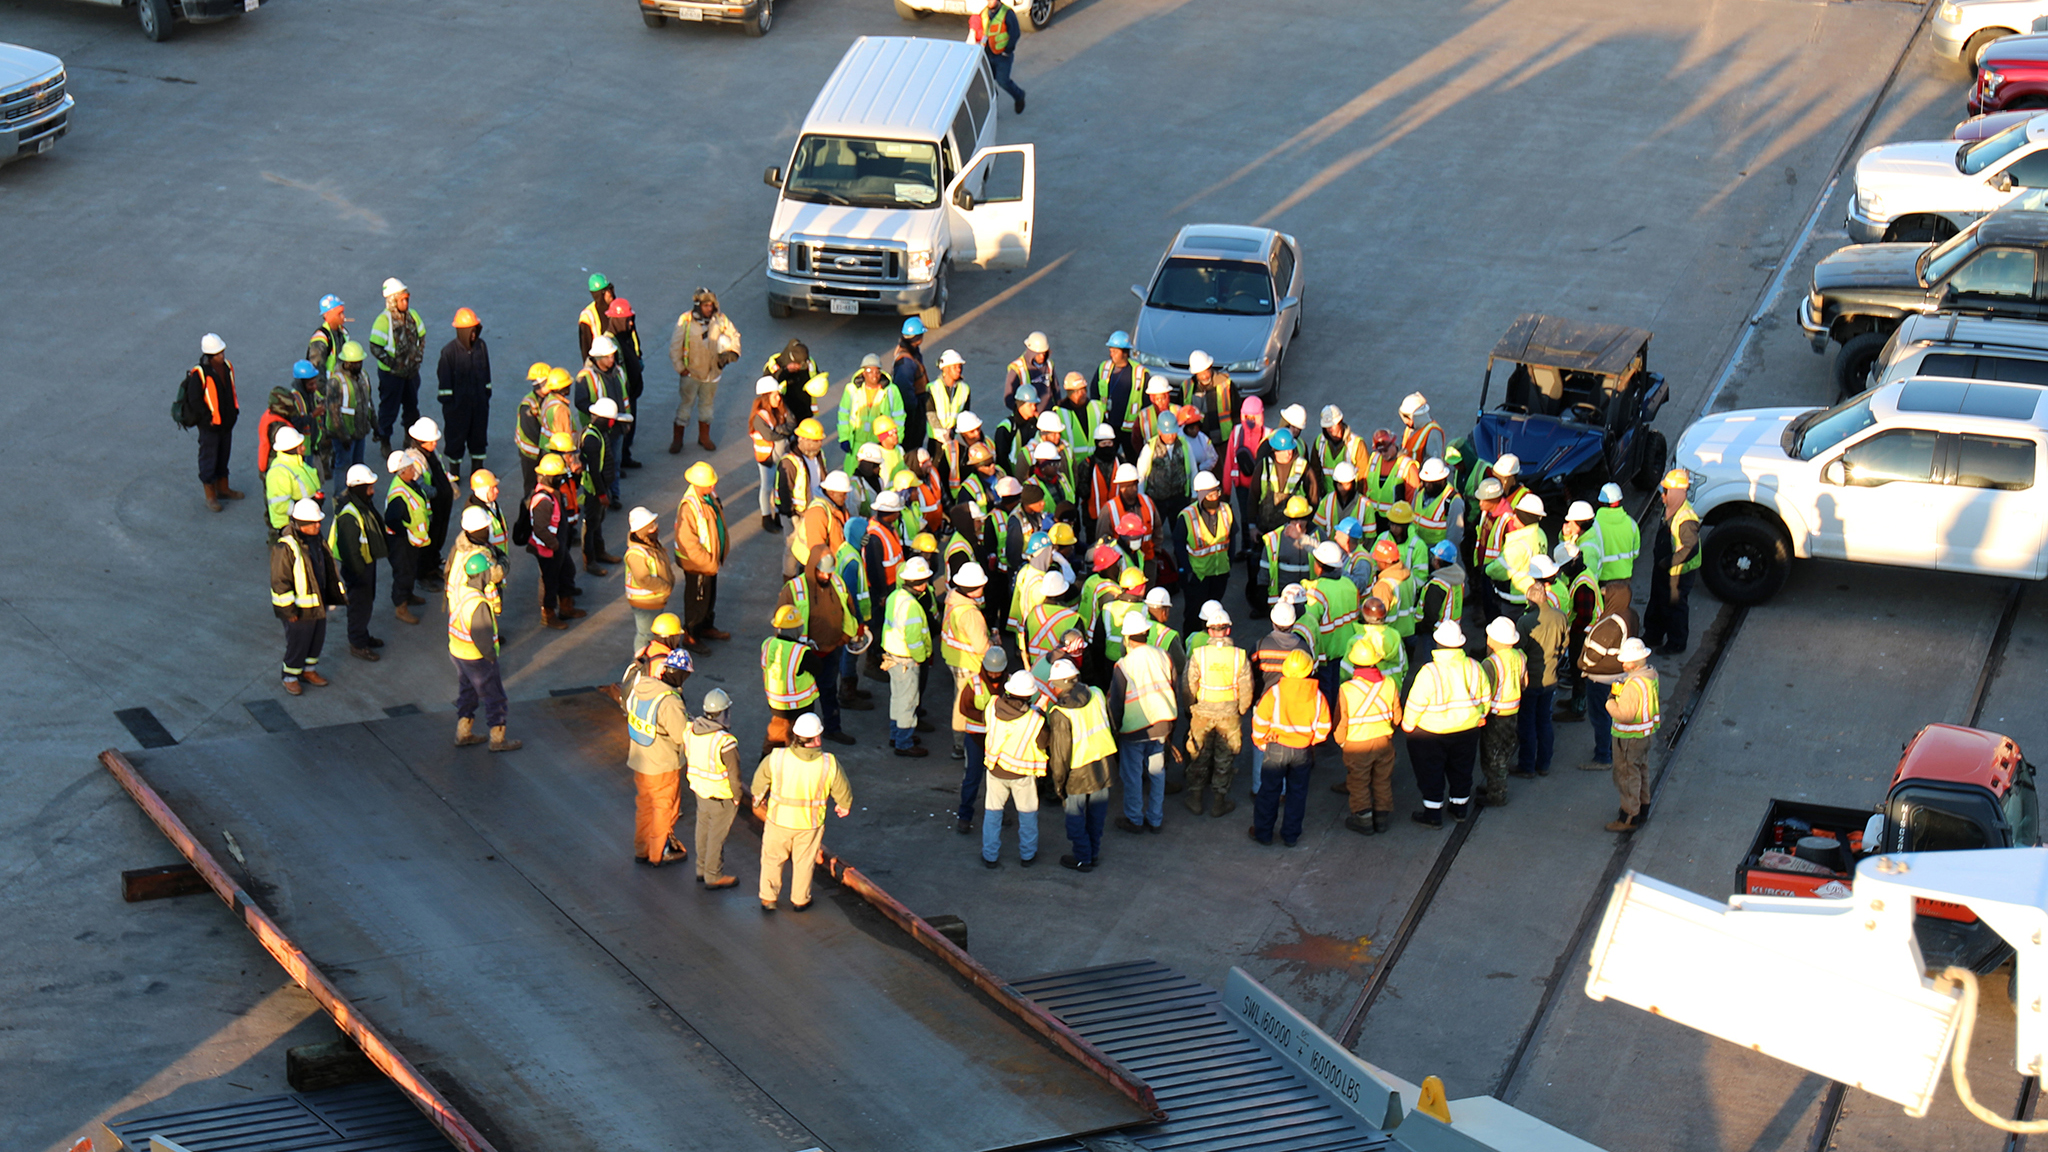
{"points": [[643, 626], [616, 446], [1141, 764], [901, 737], [1085, 814], [1538, 734], [970, 784], [346, 452], [478, 683], [1285, 773], [1000, 64], [1011, 793], [824, 669], [1603, 724]]}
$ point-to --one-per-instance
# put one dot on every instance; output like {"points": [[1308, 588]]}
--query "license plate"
{"points": [[250, 5], [846, 307], [689, 14], [45, 144]]}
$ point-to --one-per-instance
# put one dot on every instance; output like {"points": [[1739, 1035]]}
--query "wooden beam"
{"points": [[162, 883]]}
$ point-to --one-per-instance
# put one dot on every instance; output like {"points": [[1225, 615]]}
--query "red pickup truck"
{"points": [[2012, 74]]}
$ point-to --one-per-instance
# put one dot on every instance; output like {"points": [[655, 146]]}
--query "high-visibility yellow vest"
{"points": [[1433, 513], [1113, 613], [1148, 681], [949, 402], [1449, 695], [1382, 482], [1637, 695], [639, 593], [1395, 662], [462, 602], [904, 630], [1506, 667], [1619, 542], [788, 687], [305, 591], [1013, 744], [1219, 665], [1368, 708], [961, 617], [801, 790], [1337, 622], [349, 509], [1088, 730], [704, 758], [1043, 627], [1290, 714], [289, 480], [415, 511], [1208, 548], [1685, 515], [1024, 595]]}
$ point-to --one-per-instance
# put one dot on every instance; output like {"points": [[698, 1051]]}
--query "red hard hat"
{"points": [[1382, 439], [619, 309], [1104, 557], [1132, 524]]}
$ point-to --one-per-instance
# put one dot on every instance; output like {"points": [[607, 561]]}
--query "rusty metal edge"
{"points": [[296, 963]]}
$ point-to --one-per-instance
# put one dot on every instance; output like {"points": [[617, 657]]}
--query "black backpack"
{"points": [[182, 413]]}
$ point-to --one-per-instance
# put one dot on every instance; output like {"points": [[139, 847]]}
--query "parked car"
{"points": [[1230, 290], [1927, 189], [1990, 124], [2012, 75], [1962, 28], [754, 17], [1031, 14], [159, 17], [35, 110], [1922, 473], [1964, 347], [1860, 293]]}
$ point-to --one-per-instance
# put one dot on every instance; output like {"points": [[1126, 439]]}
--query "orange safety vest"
{"points": [[892, 552], [1415, 441]]}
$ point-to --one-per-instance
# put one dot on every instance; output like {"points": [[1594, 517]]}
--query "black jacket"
{"points": [[464, 373]]}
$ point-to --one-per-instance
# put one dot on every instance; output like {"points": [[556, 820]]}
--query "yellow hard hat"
{"points": [[539, 372], [561, 442], [1132, 579], [558, 380], [1298, 665], [550, 465], [1401, 513], [483, 478], [1297, 507], [924, 542], [1678, 478], [817, 386], [667, 624], [787, 616], [1367, 650], [810, 430], [701, 474], [1062, 533], [884, 424], [904, 480]]}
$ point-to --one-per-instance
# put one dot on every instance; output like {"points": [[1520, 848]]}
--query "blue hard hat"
{"points": [[678, 660], [1445, 551], [913, 327], [856, 530], [304, 370], [1283, 440], [1119, 339], [329, 303], [1349, 526], [1036, 541]]}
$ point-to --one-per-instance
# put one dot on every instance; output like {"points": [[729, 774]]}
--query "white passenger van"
{"points": [[895, 181]]}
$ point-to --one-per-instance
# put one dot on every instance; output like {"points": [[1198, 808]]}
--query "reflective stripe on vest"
{"points": [[415, 512], [1449, 694], [1646, 705], [1013, 744], [788, 687], [1088, 731], [1507, 668], [462, 602], [1454, 601], [1383, 491], [1433, 513], [1218, 665], [1368, 708], [528, 438], [892, 550], [1620, 541], [1206, 546], [640, 710], [1684, 516], [1047, 621], [638, 594], [305, 593], [1148, 688], [349, 510], [801, 789], [704, 758], [947, 404], [1291, 709], [1415, 441]]}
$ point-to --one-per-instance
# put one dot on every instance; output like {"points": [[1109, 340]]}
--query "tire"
{"points": [[155, 17], [1852, 363], [936, 314], [1976, 44], [764, 19], [2026, 103], [1655, 452], [1920, 229], [1745, 559], [908, 13], [652, 19], [778, 310], [1037, 15]]}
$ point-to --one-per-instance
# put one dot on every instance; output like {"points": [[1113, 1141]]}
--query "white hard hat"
{"points": [[424, 428], [1542, 567], [1127, 473], [1051, 422], [1345, 472], [1282, 615], [1009, 486], [1044, 451], [398, 461], [1295, 594], [1448, 635], [1136, 624], [360, 474], [870, 453], [1632, 650], [1062, 670], [970, 576], [889, 500], [475, 519], [765, 385], [976, 511], [1205, 481], [836, 481], [967, 422], [211, 345], [1434, 469], [1104, 432], [1296, 415], [1332, 416], [717, 700], [951, 357], [1036, 342], [1580, 510], [307, 510], [1530, 503], [603, 345], [994, 660], [604, 407], [638, 518], [1610, 493], [915, 569], [288, 438], [1328, 554], [1214, 614], [1020, 683], [1159, 598], [1413, 403], [1509, 464], [1502, 631], [1200, 361], [807, 726], [1157, 385], [1054, 584], [393, 286]]}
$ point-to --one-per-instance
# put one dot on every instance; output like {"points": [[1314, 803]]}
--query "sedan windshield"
{"points": [[1978, 155], [862, 173], [1820, 431], [1230, 286]]}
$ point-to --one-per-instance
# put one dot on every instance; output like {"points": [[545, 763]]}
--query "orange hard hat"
{"points": [[1386, 551], [464, 318], [1131, 524]]}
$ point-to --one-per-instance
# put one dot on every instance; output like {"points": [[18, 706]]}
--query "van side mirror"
{"points": [[772, 177], [964, 199]]}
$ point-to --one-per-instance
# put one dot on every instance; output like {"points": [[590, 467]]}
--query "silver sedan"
{"points": [[1231, 291]]}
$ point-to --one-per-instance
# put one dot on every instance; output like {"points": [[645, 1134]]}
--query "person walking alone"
{"points": [[997, 30]]}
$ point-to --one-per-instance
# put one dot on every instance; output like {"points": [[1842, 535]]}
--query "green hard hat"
{"points": [[352, 352], [477, 564], [599, 281]]}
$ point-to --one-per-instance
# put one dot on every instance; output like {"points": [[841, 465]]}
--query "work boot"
{"points": [[1380, 819], [692, 643], [404, 614], [1625, 823], [365, 654], [1495, 799], [465, 732], [1459, 812], [212, 497], [220, 487], [1597, 766], [771, 523], [854, 703], [376, 643], [629, 462], [704, 437], [312, 676], [1222, 805], [1077, 864], [291, 686], [1126, 824], [1173, 787], [592, 567], [675, 443], [569, 610], [1428, 817], [500, 744], [1192, 798], [607, 558], [1341, 787], [550, 620], [707, 632], [1361, 822], [914, 750]]}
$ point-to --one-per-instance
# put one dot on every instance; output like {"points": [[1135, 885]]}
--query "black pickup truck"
{"points": [[1860, 293]]}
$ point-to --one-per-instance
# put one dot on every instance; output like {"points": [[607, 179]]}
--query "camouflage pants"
{"points": [[1213, 744], [1499, 748]]}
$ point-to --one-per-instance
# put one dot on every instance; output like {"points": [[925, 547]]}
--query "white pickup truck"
{"points": [[1928, 190], [1926, 472], [34, 107]]}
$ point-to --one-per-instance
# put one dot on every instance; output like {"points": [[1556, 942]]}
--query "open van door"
{"points": [[989, 207]]}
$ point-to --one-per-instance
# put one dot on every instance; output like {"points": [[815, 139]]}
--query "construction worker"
{"points": [[702, 543], [1521, 540], [1016, 760], [906, 647], [799, 479], [820, 597], [1157, 409], [1210, 392], [703, 343], [528, 435], [599, 464], [1333, 606], [473, 643], [1202, 547], [326, 342], [650, 579], [303, 588], [406, 517], [1218, 680], [289, 480], [423, 437], [1120, 383], [945, 401], [473, 539], [913, 380], [348, 410], [398, 340], [1368, 707], [1507, 671], [1050, 617], [623, 328], [791, 789], [996, 28], [656, 723], [963, 641], [550, 513], [602, 378], [794, 371], [463, 385], [1445, 710], [1283, 475], [974, 695], [1675, 558], [1291, 718], [1335, 445], [293, 405], [1600, 667], [1133, 516], [771, 428], [1398, 526], [1422, 439], [788, 685], [1634, 713], [1141, 692], [1166, 469], [1081, 760], [664, 636], [1032, 370], [1344, 500], [1546, 636], [1240, 472], [483, 497], [590, 321], [1619, 539], [1283, 554], [1431, 502], [1490, 526], [357, 541], [1384, 474], [711, 758], [867, 397]]}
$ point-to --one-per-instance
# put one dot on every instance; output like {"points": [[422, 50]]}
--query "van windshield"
{"points": [[864, 173]]}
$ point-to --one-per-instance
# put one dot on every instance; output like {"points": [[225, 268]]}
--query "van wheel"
{"points": [[908, 13], [1852, 363], [764, 19], [1038, 15], [155, 16], [652, 19], [1745, 560], [778, 310], [941, 296]]}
